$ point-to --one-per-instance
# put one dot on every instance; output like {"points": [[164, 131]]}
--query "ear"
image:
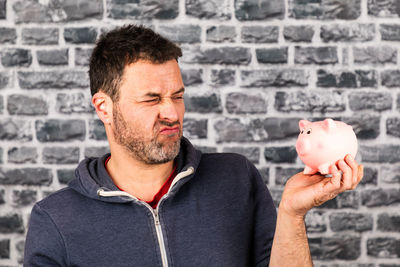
{"points": [[329, 124], [103, 106], [303, 124]]}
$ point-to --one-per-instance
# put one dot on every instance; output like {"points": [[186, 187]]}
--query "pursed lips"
{"points": [[169, 130]]}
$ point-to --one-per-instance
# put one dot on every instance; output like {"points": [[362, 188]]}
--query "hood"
{"points": [[91, 174]]}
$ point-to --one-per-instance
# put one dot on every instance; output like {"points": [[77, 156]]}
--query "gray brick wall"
{"points": [[252, 69]]}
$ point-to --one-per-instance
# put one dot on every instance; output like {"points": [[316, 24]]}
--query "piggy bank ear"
{"points": [[303, 124], [329, 124]]}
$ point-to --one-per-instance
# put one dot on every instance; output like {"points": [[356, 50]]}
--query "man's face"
{"points": [[147, 119]]}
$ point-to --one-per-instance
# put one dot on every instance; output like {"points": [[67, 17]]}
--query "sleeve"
{"points": [[264, 219], [44, 245]]}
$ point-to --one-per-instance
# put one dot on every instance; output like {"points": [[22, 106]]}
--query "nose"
{"points": [[302, 146], [168, 110]]}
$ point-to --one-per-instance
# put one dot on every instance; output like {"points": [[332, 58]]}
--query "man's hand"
{"points": [[303, 192]]}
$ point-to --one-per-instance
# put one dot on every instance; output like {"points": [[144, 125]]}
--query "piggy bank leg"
{"points": [[309, 170], [324, 168]]}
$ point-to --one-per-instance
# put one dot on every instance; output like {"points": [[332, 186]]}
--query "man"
{"points": [[157, 201]]}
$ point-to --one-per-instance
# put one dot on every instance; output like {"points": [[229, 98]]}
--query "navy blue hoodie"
{"points": [[218, 212]]}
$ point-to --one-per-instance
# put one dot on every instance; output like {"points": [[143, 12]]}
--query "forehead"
{"points": [[143, 76]]}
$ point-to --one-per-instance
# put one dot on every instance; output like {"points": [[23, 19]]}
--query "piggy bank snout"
{"points": [[303, 146]]}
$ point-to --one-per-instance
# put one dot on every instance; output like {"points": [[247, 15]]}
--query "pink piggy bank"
{"points": [[322, 143]]}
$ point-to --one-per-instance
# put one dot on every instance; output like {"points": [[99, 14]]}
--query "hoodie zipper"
{"points": [[154, 212]]}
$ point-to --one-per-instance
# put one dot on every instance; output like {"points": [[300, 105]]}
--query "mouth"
{"points": [[169, 131]]}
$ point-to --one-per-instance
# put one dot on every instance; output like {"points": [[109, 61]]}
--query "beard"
{"points": [[141, 148]]}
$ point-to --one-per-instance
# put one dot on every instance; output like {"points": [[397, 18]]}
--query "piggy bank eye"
{"points": [[309, 131], [302, 131]]}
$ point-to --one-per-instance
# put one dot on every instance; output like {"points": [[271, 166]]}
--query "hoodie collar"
{"points": [[91, 174]]}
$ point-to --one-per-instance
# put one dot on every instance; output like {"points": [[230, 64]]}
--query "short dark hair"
{"points": [[123, 46]]}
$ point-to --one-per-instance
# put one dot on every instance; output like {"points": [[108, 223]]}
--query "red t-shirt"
{"points": [[163, 190]]}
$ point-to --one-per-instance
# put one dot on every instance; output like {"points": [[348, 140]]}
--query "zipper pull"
{"points": [[156, 219]]}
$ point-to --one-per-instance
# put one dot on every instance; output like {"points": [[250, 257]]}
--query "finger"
{"points": [[347, 177], [354, 166], [336, 177], [360, 173]]}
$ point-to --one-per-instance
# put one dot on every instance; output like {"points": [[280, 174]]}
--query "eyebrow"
{"points": [[182, 90]]}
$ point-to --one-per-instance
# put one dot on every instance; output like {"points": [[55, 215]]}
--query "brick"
{"points": [[24, 197], [1, 104], [310, 101], [344, 221], [16, 57], [2, 196], [344, 247], [346, 10], [283, 174], [206, 149], [167, 9], [389, 222], [370, 177], [393, 126], [74, 103], [210, 103], [96, 130], [347, 79], [383, 153], [365, 126], [192, 76], [383, 9], [274, 78], [380, 197], [375, 55], [3, 9], [94, 152], [240, 103], [60, 155], [82, 56], [181, 33], [280, 154], [85, 35], [220, 55], [264, 172], [53, 130], [259, 9], [53, 79], [303, 33], [5, 78], [315, 222], [5, 249], [65, 175], [260, 34], [223, 77], [276, 195], [348, 199], [383, 247], [390, 78], [398, 102], [11, 223], [352, 32], [20, 247], [54, 11], [390, 174], [208, 9], [272, 55], [316, 55], [7, 35], [52, 57], [256, 130], [390, 32], [22, 155], [251, 153], [370, 101], [26, 176], [220, 34], [17, 130], [40, 36], [27, 105], [195, 128]]}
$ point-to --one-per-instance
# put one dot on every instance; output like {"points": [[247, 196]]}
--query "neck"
{"points": [[136, 177]]}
